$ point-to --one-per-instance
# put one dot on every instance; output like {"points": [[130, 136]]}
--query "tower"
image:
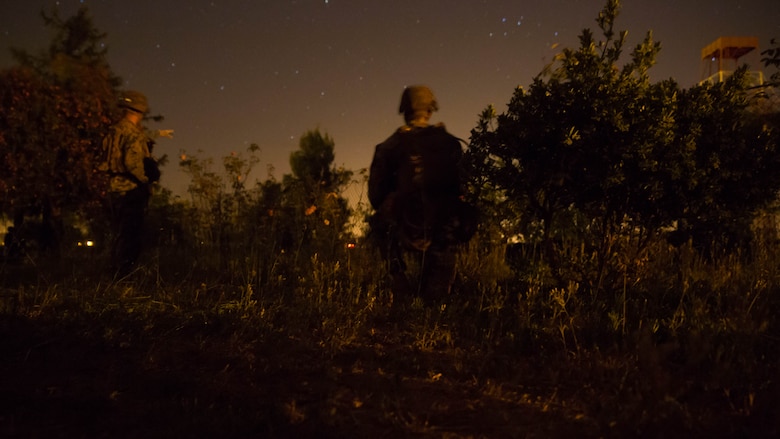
{"points": [[721, 57]]}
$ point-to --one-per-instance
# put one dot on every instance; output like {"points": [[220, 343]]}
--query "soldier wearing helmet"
{"points": [[415, 188], [132, 171]]}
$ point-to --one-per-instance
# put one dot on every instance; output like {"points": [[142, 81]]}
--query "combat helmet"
{"points": [[417, 99], [135, 101]]}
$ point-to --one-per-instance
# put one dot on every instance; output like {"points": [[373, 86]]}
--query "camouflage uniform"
{"points": [[127, 148], [414, 187]]}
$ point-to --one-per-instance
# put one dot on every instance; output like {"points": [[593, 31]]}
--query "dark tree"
{"points": [[54, 109], [771, 58], [313, 201], [595, 154]]}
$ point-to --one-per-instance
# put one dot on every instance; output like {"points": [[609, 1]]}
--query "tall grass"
{"points": [[664, 325], [256, 264]]}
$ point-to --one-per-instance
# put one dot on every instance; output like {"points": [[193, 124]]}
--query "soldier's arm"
{"points": [[380, 177], [134, 159], [375, 178], [156, 134]]}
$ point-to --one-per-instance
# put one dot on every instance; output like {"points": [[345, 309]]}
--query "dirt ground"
{"points": [[212, 379]]}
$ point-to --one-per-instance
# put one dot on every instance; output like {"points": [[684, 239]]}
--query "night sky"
{"points": [[226, 74]]}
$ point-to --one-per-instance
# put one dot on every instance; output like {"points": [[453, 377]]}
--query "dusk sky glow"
{"points": [[229, 73]]}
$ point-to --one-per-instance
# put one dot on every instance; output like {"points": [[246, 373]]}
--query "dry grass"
{"points": [[690, 347]]}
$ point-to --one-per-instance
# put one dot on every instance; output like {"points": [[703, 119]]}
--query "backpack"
{"points": [[151, 166], [427, 207]]}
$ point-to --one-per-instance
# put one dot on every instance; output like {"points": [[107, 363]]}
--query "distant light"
{"points": [[90, 243], [351, 245]]}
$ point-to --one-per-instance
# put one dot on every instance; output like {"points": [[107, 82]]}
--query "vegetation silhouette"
{"points": [[622, 283]]}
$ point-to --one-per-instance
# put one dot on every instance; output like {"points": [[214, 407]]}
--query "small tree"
{"points": [[574, 152], [771, 58], [222, 208], [311, 164], [721, 167], [600, 160], [318, 212], [768, 100], [54, 110]]}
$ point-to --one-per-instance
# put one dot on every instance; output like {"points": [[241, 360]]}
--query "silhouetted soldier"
{"points": [[414, 186], [132, 172]]}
